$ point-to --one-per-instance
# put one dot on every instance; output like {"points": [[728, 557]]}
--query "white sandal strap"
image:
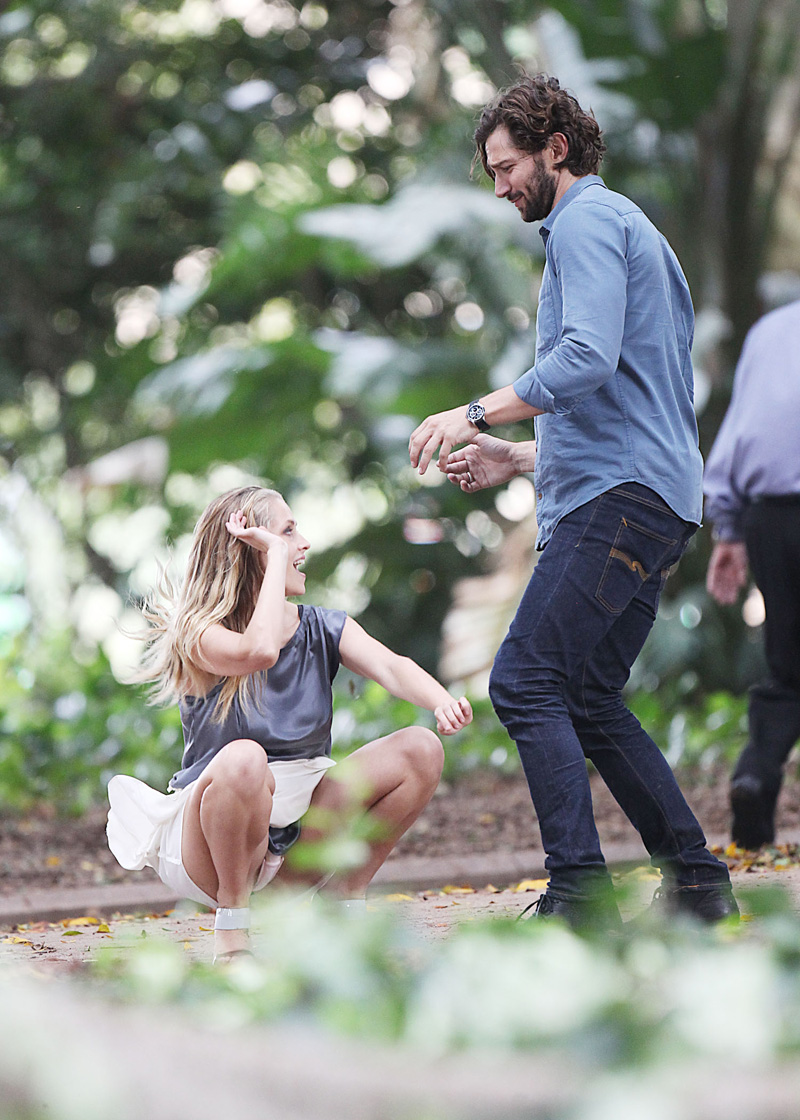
{"points": [[236, 918]]}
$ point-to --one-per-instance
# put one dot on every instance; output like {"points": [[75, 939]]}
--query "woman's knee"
{"points": [[422, 753], [243, 766]]}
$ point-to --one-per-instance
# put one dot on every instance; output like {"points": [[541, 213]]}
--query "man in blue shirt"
{"points": [[752, 489], [618, 486]]}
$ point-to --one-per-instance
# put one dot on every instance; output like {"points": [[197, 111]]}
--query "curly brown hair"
{"points": [[532, 110]]}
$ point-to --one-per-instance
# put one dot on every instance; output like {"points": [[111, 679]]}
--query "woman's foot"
{"points": [[230, 943], [231, 933]]}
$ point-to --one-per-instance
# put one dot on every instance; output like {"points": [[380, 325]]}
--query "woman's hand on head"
{"points": [[453, 715], [255, 535]]}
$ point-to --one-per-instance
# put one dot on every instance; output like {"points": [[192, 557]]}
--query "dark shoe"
{"points": [[709, 904], [598, 914], [753, 813]]}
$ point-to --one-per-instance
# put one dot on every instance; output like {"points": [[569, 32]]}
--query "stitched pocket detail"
{"points": [[635, 554]]}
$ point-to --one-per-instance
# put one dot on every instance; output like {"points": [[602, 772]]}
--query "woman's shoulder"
{"points": [[327, 622]]}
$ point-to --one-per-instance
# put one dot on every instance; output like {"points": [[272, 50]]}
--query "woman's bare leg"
{"points": [[392, 780], [226, 829]]}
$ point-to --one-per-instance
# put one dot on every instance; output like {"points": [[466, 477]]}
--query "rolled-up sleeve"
{"points": [[587, 253]]}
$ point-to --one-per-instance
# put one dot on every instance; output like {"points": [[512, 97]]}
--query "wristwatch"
{"points": [[475, 415]]}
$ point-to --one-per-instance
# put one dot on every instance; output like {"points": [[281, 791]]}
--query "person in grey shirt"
{"points": [[752, 487], [253, 673]]}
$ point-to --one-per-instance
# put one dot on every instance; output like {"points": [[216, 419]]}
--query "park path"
{"points": [[51, 946]]}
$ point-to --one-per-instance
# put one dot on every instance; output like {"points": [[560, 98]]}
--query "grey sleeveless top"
{"points": [[293, 703]]}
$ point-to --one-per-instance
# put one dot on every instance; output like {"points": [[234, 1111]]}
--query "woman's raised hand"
{"points": [[255, 535], [452, 716]]}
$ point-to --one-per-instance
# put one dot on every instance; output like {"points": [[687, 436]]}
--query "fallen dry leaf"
{"points": [[102, 928], [641, 874], [397, 898], [14, 941], [86, 920], [492, 890], [53, 861], [531, 885], [72, 933], [452, 889], [776, 857]]}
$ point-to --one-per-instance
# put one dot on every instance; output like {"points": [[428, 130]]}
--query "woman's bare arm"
{"points": [[223, 652], [402, 677]]}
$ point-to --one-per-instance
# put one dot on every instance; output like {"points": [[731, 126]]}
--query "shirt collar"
{"points": [[568, 196]]}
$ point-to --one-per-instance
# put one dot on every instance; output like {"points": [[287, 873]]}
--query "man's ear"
{"points": [[559, 148]]}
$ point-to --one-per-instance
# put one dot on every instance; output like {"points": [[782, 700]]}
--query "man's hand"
{"points": [[444, 430], [727, 571], [489, 461]]}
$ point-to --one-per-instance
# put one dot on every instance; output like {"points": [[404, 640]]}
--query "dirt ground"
{"points": [[483, 812], [69, 946]]}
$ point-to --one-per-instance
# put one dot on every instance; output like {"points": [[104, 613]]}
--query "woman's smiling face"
{"points": [[283, 525]]}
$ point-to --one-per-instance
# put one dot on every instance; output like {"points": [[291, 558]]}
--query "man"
{"points": [[753, 497], [618, 485]]}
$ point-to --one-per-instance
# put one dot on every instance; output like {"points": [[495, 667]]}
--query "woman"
{"points": [[252, 672]]}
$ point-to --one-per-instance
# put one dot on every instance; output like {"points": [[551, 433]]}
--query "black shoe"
{"points": [[709, 903], [753, 813], [580, 913]]}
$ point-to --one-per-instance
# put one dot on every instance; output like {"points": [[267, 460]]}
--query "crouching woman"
{"points": [[252, 673]]}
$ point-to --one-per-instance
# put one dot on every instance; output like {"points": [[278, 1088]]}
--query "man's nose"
{"points": [[500, 186]]}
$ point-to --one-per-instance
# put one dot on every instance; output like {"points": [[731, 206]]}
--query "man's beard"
{"points": [[539, 194]]}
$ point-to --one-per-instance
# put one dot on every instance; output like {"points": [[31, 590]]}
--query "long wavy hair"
{"points": [[532, 110], [222, 583]]}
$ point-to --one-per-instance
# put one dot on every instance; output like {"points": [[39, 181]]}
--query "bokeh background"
{"points": [[240, 240]]}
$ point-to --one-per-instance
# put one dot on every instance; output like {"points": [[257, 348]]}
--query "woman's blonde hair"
{"points": [[222, 583]]}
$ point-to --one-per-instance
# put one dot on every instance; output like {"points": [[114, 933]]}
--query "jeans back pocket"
{"points": [[636, 553]]}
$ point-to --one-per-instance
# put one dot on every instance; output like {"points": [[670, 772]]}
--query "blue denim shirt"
{"points": [[613, 372]]}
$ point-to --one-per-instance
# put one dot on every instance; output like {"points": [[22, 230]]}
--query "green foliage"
{"points": [[638, 1005], [711, 730], [229, 235], [66, 727]]}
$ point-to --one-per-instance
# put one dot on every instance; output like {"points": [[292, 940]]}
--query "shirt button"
{"points": [[539, 495]]}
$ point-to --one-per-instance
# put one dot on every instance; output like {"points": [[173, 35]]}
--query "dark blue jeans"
{"points": [[557, 687]]}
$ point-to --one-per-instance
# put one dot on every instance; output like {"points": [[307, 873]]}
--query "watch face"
{"points": [[475, 411]]}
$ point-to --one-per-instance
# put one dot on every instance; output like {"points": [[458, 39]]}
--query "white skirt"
{"points": [[145, 827]]}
